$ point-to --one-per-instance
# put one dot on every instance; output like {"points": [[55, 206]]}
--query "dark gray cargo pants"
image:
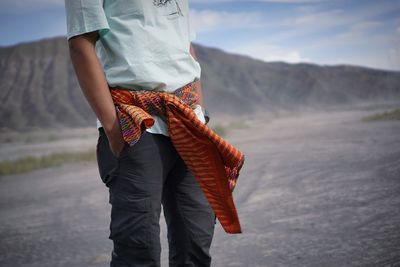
{"points": [[143, 177]]}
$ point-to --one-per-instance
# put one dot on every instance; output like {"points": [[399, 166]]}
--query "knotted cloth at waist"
{"points": [[213, 161]]}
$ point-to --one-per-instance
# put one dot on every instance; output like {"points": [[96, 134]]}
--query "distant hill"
{"points": [[39, 87]]}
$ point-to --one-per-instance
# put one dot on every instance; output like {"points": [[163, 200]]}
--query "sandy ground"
{"points": [[66, 140], [317, 189]]}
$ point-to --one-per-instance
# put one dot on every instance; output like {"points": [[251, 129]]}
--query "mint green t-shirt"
{"points": [[143, 44]]}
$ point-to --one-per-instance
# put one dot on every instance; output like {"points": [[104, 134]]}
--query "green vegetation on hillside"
{"points": [[30, 163], [222, 129], [235, 125], [388, 115], [219, 129], [47, 135]]}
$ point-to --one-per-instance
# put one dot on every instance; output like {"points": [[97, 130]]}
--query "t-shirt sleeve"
{"points": [[85, 16]]}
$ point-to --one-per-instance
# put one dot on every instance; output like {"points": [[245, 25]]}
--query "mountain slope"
{"points": [[39, 87], [281, 84]]}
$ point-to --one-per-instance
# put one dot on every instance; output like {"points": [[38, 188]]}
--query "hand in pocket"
{"points": [[116, 142]]}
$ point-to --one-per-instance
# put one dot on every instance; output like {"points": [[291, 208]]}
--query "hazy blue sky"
{"points": [[358, 32]]}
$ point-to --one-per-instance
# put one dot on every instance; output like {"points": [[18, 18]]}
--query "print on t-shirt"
{"points": [[170, 8], [159, 3]]}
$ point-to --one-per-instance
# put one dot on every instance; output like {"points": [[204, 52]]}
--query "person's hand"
{"points": [[117, 143], [206, 115], [116, 140]]}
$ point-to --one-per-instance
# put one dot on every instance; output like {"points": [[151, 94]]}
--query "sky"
{"points": [[324, 32]]}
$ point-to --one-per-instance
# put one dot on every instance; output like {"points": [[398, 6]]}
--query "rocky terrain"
{"points": [[317, 189]]}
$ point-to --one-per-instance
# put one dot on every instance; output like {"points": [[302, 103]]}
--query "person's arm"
{"points": [[197, 84], [198, 88], [94, 86]]}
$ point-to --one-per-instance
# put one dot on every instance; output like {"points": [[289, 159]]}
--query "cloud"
{"points": [[312, 18], [364, 26], [209, 20], [320, 26], [270, 52], [325, 32], [357, 36], [301, 23]]}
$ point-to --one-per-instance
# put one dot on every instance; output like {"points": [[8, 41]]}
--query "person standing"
{"points": [[142, 45]]}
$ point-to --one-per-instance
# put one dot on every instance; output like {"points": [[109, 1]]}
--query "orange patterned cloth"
{"points": [[213, 161]]}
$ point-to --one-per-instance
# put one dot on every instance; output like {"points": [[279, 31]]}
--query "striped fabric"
{"points": [[213, 161]]}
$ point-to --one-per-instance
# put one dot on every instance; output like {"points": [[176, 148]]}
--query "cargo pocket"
{"points": [[106, 161], [130, 221]]}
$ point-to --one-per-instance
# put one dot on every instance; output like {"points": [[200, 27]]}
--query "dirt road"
{"points": [[318, 189]]}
